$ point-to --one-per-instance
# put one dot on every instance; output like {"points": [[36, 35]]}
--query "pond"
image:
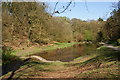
{"points": [[68, 54]]}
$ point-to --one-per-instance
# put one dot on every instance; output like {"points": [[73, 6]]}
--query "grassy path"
{"points": [[110, 46], [37, 69]]}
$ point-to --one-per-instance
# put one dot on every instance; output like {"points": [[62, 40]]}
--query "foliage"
{"points": [[99, 36], [83, 30], [7, 54], [88, 35], [112, 42], [111, 29], [100, 19], [118, 41], [29, 22]]}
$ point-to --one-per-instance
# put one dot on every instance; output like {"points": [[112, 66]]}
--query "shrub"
{"points": [[113, 42], [7, 54], [118, 41]]}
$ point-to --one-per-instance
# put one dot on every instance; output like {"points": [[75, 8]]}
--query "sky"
{"points": [[84, 10]]}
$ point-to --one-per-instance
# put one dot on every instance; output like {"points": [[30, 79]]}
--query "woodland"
{"points": [[27, 26]]}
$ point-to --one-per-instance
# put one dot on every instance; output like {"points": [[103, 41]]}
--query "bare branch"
{"points": [[86, 6], [64, 8], [55, 7]]}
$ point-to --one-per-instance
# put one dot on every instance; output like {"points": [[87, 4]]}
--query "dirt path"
{"points": [[112, 47], [39, 58]]}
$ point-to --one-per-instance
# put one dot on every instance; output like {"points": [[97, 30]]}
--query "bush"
{"points": [[88, 35], [113, 43], [41, 42], [118, 41], [7, 54]]}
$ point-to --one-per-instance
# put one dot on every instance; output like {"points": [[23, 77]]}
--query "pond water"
{"points": [[68, 54]]}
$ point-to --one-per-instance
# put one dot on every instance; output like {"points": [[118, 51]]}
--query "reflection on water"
{"points": [[68, 54]]}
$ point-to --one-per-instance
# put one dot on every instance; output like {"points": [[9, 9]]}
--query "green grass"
{"points": [[34, 68], [51, 66], [84, 58], [109, 54], [108, 57], [118, 46], [99, 73], [104, 55]]}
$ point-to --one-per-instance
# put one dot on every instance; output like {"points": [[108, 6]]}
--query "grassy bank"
{"points": [[103, 63]]}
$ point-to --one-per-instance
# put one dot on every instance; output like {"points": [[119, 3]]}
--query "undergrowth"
{"points": [[8, 54]]}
